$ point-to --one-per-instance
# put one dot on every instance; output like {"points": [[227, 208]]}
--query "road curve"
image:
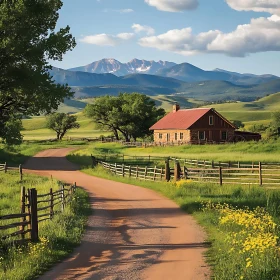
{"points": [[133, 233]]}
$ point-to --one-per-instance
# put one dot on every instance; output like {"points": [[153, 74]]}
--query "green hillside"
{"points": [[250, 112]]}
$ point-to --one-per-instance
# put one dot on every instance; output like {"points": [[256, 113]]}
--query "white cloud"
{"points": [[107, 39], [173, 5], [270, 6], [142, 28], [261, 35], [125, 11]]}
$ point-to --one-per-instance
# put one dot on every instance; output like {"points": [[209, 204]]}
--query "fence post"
{"points": [[260, 174], [213, 164], [161, 173], [22, 202], [51, 203], [167, 170], [229, 164], [137, 170], [129, 170], [238, 164], [145, 173], [20, 172], [123, 170], [177, 171], [5, 167], [185, 170], [75, 187], [62, 198], [115, 168], [34, 215], [155, 170], [221, 176]]}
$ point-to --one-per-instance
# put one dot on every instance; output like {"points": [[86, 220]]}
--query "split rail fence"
{"points": [[5, 168], [35, 208], [239, 173]]}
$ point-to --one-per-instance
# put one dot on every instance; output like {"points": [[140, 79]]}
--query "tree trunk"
{"points": [[116, 134]]}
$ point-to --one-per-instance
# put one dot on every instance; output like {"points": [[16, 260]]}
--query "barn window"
{"points": [[224, 135], [168, 137], [160, 135], [211, 120], [181, 136], [176, 136], [201, 135]]}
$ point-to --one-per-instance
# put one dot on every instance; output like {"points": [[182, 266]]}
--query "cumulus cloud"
{"points": [[107, 39], [260, 35], [270, 6], [173, 5], [142, 28]]}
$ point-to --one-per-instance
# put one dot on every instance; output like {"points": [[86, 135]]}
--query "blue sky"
{"points": [[201, 32]]}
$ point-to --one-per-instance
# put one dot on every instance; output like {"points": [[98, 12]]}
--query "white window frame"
{"points": [[181, 136], [160, 136]]}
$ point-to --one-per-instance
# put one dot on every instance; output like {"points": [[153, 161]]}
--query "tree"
{"points": [[61, 123], [28, 41], [274, 128], [238, 124], [129, 114]]}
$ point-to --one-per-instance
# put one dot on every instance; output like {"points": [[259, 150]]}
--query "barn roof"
{"points": [[182, 119]]}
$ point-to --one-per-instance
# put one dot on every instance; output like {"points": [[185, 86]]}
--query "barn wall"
{"points": [[186, 136]]}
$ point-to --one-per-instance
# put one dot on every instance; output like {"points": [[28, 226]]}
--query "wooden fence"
{"points": [[5, 168], [142, 173], [261, 174], [35, 208]]}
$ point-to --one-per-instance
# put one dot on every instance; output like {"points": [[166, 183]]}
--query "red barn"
{"points": [[196, 126]]}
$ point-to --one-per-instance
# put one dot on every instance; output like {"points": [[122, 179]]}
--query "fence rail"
{"points": [[5, 168], [35, 208], [261, 174]]}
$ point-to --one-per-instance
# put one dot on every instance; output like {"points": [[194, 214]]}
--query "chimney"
{"points": [[176, 107]]}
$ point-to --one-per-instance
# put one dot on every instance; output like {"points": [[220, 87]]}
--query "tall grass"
{"points": [[58, 237]]}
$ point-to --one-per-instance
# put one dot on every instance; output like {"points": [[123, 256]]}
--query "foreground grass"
{"points": [[58, 237], [227, 264]]}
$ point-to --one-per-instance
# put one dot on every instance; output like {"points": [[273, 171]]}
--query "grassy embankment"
{"points": [[243, 241], [58, 237]]}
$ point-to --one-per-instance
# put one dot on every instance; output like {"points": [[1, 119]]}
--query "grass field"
{"points": [[35, 129], [58, 237], [265, 151]]}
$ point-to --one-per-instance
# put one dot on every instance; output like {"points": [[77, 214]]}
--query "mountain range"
{"points": [[178, 79], [185, 72], [113, 66]]}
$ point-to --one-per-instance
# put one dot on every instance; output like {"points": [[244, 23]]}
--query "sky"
{"points": [[235, 35]]}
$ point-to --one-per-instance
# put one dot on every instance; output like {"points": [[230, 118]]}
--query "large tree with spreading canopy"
{"points": [[28, 41]]}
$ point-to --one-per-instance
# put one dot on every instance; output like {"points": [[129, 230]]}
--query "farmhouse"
{"points": [[196, 126]]}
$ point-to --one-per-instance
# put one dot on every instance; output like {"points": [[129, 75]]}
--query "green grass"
{"points": [[264, 151], [58, 237], [250, 112], [190, 196], [35, 129]]}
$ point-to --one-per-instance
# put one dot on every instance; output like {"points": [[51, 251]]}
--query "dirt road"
{"points": [[134, 233]]}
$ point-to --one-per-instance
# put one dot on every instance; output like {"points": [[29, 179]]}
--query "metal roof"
{"points": [[182, 119]]}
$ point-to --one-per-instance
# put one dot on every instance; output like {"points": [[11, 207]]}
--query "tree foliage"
{"points": [[28, 40], [238, 124], [130, 115], [61, 123]]}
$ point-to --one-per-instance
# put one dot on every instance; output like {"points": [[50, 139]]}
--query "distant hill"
{"points": [[117, 68], [189, 73]]}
